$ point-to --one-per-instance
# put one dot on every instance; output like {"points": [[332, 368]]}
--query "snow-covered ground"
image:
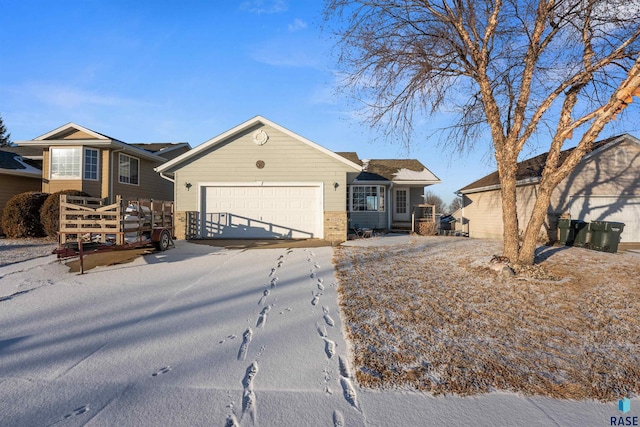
{"points": [[201, 336]]}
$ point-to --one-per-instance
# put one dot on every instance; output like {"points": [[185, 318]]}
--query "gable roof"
{"points": [[407, 171], [530, 170], [241, 128], [94, 139]]}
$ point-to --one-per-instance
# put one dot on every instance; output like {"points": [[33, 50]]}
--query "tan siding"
{"points": [[152, 185], [11, 185], [105, 165], [77, 135], [609, 173], [484, 211], [286, 159]]}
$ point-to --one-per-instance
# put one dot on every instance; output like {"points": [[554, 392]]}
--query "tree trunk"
{"points": [[509, 211], [530, 237]]}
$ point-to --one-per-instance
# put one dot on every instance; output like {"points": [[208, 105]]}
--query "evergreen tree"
{"points": [[5, 138]]}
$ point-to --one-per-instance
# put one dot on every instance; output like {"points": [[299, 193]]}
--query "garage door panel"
{"points": [[262, 211]]}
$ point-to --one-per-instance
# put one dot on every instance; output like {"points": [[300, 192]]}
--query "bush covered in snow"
{"points": [[21, 215], [50, 211]]}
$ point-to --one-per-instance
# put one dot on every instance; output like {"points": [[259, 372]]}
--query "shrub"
{"points": [[21, 215], [50, 211]]}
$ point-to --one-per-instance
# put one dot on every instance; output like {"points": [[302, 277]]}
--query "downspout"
{"points": [[168, 179], [390, 206]]}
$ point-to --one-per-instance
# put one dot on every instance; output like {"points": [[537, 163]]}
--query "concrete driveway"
{"points": [[201, 336]]}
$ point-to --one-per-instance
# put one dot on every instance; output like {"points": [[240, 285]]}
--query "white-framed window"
{"points": [[66, 163], [91, 164], [128, 170], [366, 198]]}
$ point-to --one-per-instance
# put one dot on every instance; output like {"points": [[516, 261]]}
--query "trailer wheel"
{"points": [[164, 242]]}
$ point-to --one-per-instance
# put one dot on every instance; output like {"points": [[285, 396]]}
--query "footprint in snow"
{"points": [[315, 299], [320, 286], [78, 411], [322, 330], [273, 270], [290, 251], [338, 419], [164, 370], [249, 405], [317, 266], [280, 257], [274, 282], [265, 294], [329, 347], [229, 337], [262, 319], [349, 393], [344, 367], [232, 421], [327, 318], [246, 339], [252, 370], [312, 275]]}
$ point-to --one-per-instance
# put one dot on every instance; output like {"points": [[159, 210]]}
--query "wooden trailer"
{"points": [[88, 225]]}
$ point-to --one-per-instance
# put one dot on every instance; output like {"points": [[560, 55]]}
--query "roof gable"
{"points": [[530, 170], [258, 120], [72, 131]]}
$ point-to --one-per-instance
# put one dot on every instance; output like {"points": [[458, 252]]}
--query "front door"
{"points": [[401, 211]]}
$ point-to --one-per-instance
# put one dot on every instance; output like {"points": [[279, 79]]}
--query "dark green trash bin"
{"points": [[581, 232], [606, 235], [565, 231]]}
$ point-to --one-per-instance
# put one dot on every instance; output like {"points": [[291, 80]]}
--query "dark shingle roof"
{"points": [[388, 168], [23, 151], [351, 156], [8, 160], [156, 147], [530, 168]]}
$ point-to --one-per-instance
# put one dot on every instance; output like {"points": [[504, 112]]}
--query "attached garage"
{"points": [[261, 210], [611, 209]]}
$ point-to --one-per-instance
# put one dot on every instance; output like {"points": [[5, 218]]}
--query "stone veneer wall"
{"points": [[335, 226], [180, 225]]}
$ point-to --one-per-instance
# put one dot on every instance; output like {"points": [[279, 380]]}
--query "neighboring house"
{"points": [[260, 180], [20, 171], [77, 158], [605, 186], [397, 182]]}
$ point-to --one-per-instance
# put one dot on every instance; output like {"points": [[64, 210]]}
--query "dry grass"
{"points": [[432, 316]]}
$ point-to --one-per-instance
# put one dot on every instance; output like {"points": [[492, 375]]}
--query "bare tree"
{"points": [[455, 204], [514, 69], [430, 198]]}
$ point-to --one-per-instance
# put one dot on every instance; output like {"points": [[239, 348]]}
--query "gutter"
{"points": [[526, 181]]}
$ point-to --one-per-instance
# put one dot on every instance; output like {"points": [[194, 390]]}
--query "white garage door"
{"points": [[615, 209], [266, 212]]}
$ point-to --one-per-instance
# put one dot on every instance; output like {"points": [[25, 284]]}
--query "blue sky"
{"points": [[157, 71]]}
